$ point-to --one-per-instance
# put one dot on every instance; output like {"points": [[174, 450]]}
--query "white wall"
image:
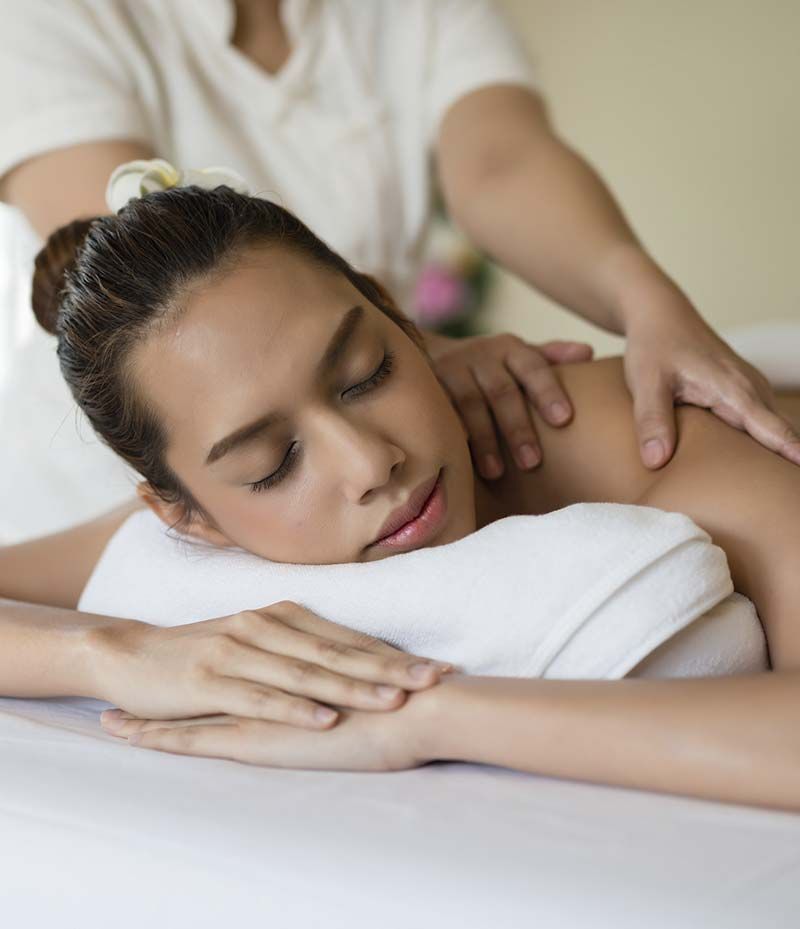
{"points": [[690, 112]]}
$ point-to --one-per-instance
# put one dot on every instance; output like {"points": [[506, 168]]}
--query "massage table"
{"points": [[95, 831]]}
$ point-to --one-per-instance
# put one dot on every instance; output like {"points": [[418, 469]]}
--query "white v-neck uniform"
{"points": [[341, 135]]}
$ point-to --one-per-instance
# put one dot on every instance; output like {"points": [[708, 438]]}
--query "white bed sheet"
{"points": [[94, 831]]}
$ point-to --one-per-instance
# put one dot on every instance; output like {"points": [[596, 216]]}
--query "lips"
{"points": [[410, 509]]}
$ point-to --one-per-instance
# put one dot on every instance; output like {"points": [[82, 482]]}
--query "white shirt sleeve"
{"points": [[472, 45], [63, 81]]}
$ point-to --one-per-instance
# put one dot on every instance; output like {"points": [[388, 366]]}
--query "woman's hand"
{"points": [[360, 741], [263, 663], [501, 374], [673, 356]]}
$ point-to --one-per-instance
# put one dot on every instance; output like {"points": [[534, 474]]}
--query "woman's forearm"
{"points": [[734, 739], [48, 651]]}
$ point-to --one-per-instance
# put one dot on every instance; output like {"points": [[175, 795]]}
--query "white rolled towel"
{"points": [[587, 591]]}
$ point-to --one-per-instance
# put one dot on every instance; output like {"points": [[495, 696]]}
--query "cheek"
{"points": [[429, 402]]}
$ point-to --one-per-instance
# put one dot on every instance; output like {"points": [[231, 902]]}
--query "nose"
{"points": [[363, 458]]}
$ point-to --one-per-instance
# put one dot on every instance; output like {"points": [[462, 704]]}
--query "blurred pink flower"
{"points": [[439, 295]]}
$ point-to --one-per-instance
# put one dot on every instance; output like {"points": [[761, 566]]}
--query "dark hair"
{"points": [[103, 285]]}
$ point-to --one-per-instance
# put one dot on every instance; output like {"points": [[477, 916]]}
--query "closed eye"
{"points": [[384, 370]]}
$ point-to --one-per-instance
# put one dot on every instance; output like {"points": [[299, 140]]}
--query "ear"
{"points": [[170, 513]]}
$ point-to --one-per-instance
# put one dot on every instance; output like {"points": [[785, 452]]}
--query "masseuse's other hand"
{"points": [[500, 375], [270, 664], [675, 357]]}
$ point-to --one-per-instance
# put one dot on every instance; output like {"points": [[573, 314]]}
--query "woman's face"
{"points": [[350, 442]]}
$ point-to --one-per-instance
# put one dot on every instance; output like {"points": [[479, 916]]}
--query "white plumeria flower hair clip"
{"points": [[137, 178]]}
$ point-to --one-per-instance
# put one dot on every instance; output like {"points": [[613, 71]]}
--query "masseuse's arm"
{"points": [[56, 187], [537, 207]]}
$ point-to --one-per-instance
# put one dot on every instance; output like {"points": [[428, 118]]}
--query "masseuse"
{"points": [[334, 109]]}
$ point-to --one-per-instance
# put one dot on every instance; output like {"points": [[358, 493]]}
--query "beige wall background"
{"points": [[690, 113]]}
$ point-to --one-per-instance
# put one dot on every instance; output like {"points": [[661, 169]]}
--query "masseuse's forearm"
{"points": [[47, 651], [542, 212], [734, 739]]}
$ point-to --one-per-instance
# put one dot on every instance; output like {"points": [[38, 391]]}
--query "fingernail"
{"points": [[653, 451], [110, 714], [134, 739], [324, 714], [558, 412], [113, 723], [529, 455], [386, 692], [492, 466], [420, 671]]}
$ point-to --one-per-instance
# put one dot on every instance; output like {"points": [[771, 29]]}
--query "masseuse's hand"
{"points": [[501, 375], [673, 356], [271, 664]]}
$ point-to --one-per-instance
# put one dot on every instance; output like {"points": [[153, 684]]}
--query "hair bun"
{"points": [[54, 260]]}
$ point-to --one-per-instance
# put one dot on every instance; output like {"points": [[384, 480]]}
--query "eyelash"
{"points": [[385, 369]]}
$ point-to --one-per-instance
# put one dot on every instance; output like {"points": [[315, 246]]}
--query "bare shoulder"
{"points": [[595, 457], [54, 569], [745, 496], [748, 499]]}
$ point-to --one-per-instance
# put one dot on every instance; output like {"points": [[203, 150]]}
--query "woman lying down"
{"points": [[276, 401]]}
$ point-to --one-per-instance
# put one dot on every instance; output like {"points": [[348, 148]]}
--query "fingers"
{"points": [[216, 740], [654, 415], [558, 351], [770, 429], [532, 369], [510, 409], [500, 375], [238, 697], [293, 675], [269, 631], [123, 724], [470, 402], [246, 740], [247, 681], [301, 618]]}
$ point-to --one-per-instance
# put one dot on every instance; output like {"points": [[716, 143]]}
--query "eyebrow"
{"points": [[337, 346]]}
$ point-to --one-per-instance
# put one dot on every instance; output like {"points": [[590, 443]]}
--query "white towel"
{"points": [[584, 592]]}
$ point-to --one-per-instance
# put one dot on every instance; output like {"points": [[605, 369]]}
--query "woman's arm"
{"points": [[266, 663], [53, 570], [734, 739], [48, 649]]}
